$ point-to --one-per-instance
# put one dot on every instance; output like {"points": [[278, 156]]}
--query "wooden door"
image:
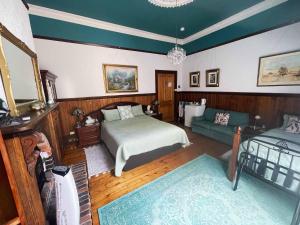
{"points": [[165, 86]]}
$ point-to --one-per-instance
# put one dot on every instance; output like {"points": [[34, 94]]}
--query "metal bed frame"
{"points": [[250, 161]]}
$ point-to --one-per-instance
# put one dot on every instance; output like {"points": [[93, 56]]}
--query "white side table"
{"points": [[191, 111]]}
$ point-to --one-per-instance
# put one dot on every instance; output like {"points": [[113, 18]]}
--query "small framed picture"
{"points": [[212, 78], [195, 79]]}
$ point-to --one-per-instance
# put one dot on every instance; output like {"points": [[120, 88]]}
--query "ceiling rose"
{"points": [[170, 3]]}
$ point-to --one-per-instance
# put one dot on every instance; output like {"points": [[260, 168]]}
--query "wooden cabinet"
{"points": [[158, 116], [88, 135], [8, 210], [55, 135]]}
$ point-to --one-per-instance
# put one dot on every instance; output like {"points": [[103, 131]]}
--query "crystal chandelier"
{"points": [[170, 3], [177, 55]]}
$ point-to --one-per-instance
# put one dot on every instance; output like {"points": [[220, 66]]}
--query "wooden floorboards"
{"points": [[106, 187]]}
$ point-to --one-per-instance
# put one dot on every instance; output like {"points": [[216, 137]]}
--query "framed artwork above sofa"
{"points": [[195, 79], [212, 78]]}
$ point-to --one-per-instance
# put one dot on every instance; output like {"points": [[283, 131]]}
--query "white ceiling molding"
{"points": [[86, 21], [258, 8], [72, 18]]}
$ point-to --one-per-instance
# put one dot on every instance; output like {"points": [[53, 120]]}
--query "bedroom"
{"points": [[95, 63]]}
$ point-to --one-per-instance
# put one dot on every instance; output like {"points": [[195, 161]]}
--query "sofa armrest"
{"points": [[197, 118]]}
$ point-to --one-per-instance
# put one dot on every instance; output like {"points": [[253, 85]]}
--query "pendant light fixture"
{"points": [[177, 54]]}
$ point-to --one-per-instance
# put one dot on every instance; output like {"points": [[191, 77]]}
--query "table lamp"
{"points": [[77, 112], [257, 117]]}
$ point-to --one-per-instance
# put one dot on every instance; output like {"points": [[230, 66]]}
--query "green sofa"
{"points": [[205, 125]]}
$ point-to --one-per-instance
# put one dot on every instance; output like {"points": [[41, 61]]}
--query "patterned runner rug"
{"points": [[198, 193]]}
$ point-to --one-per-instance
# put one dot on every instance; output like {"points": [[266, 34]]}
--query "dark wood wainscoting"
{"points": [[270, 107], [93, 103]]}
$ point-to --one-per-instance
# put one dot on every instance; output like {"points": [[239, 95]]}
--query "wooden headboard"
{"points": [[97, 114]]}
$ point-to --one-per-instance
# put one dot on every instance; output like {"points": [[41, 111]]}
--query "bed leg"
{"points": [[234, 156], [296, 218], [237, 177]]}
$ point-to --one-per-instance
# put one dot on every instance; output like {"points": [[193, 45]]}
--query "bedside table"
{"points": [[155, 115], [88, 135]]}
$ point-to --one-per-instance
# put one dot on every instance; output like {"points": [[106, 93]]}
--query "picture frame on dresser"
{"points": [[48, 81]]}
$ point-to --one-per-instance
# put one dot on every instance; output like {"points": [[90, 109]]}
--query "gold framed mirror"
{"points": [[20, 73]]}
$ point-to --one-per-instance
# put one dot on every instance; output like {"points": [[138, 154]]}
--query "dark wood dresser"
{"points": [[18, 158], [158, 116], [88, 135]]}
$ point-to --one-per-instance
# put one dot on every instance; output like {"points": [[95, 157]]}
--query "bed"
{"points": [[274, 157], [138, 135]]}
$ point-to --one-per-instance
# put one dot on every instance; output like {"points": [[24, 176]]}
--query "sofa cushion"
{"points": [[197, 118], [238, 118], [229, 130], [222, 118], [210, 113], [202, 123]]}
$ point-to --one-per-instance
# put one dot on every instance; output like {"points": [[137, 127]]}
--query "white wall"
{"points": [[238, 61], [79, 67], [14, 16]]}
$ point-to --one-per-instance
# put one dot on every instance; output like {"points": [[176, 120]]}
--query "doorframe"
{"points": [[174, 72]]}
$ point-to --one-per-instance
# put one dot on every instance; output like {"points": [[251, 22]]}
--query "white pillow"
{"points": [[111, 114], [137, 110], [125, 112]]}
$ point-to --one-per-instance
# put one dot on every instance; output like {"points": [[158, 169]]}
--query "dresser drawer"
{"points": [[89, 141], [88, 130], [88, 135]]}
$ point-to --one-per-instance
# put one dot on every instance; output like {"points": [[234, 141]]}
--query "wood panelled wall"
{"points": [[91, 104], [270, 107]]}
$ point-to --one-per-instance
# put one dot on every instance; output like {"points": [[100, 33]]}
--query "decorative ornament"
{"points": [[170, 3]]}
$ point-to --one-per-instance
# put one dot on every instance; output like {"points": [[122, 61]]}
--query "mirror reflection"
{"points": [[21, 72]]}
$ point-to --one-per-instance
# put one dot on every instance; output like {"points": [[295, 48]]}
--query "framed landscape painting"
{"points": [[195, 79], [279, 70], [120, 78], [212, 78]]}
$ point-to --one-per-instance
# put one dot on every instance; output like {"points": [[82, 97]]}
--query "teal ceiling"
{"points": [[286, 13], [142, 15], [57, 29]]}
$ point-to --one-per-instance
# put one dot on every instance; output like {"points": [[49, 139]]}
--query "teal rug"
{"points": [[198, 193]]}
